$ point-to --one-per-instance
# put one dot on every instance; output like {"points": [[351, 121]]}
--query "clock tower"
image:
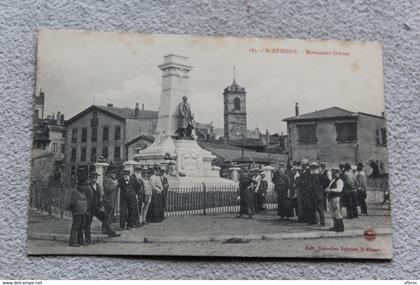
{"points": [[234, 111]]}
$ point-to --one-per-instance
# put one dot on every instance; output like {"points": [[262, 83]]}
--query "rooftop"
{"points": [[329, 113], [121, 113]]}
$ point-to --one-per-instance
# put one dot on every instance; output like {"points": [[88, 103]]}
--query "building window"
{"points": [[63, 148], [307, 133], [94, 137], [117, 153], [83, 154], [54, 147], [84, 135], [74, 135], [36, 114], [73, 170], [117, 133], [94, 120], [346, 132], [73, 154], [105, 134], [381, 136], [105, 152], [93, 154], [236, 104]]}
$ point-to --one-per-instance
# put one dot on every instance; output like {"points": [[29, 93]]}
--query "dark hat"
{"points": [[94, 173], [156, 167], [335, 170], [111, 169], [323, 163], [360, 165], [126, 172], [347, 166]]}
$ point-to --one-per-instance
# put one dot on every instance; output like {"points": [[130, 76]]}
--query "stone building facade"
{"points": [[336, 135], [104, 131], [234, 99]]}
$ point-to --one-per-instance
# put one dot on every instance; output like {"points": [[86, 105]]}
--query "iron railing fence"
{"points": [[378, 192], [196, 200]]}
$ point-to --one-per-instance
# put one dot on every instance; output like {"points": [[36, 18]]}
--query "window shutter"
{"points": [[378, 136]]}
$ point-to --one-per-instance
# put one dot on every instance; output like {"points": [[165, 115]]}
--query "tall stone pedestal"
{"points": [[193, 164], [100, 169]]}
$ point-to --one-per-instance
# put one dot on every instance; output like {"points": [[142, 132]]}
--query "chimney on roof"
{"points": [[383, 114], [53, 116], [136, 110], [110, 105], [267, 137], [297, 109], [142, 106], [58, 118], [62, 119]]}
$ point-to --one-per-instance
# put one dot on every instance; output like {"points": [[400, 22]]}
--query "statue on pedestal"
{"points": [[186, 119]]}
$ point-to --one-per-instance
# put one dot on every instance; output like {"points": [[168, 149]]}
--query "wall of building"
{"points": [[325, 149], [85, 122], [43, 167], [136, 127], [329, 150], [57, 138], [366, 133]]}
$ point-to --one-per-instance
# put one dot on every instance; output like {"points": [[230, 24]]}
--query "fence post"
{"points": [[204, 198]]}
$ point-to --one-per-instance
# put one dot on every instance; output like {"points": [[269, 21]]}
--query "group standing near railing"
{"points": [[53, 198]]}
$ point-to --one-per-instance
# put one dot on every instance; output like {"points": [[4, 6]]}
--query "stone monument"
{"points": [[192, 163]]}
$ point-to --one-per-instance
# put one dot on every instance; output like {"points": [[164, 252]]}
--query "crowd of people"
{"points": [[305, 191], [142, 196]]}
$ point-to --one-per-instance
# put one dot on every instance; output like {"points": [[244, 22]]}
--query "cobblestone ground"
{"points": [[348, 247], [131, 242], [221, 224]]}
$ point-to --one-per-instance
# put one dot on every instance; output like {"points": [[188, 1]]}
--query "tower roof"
{"points": [[234, 87]]}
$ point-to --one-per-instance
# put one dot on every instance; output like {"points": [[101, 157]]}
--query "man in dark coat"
{"points": [[324, 181], [109, 199], [246, 195], [78, 208], [281, 187], [316, 196], [92, 193], [127, 201], [305, 182]]}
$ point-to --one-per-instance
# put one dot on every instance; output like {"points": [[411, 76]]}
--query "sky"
{"points": [[76, 69]]}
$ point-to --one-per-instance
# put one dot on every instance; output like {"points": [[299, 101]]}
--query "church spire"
{"points": [[234, 75]]}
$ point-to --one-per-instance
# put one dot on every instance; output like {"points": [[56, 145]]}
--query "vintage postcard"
{"points": [[147, 144]]}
